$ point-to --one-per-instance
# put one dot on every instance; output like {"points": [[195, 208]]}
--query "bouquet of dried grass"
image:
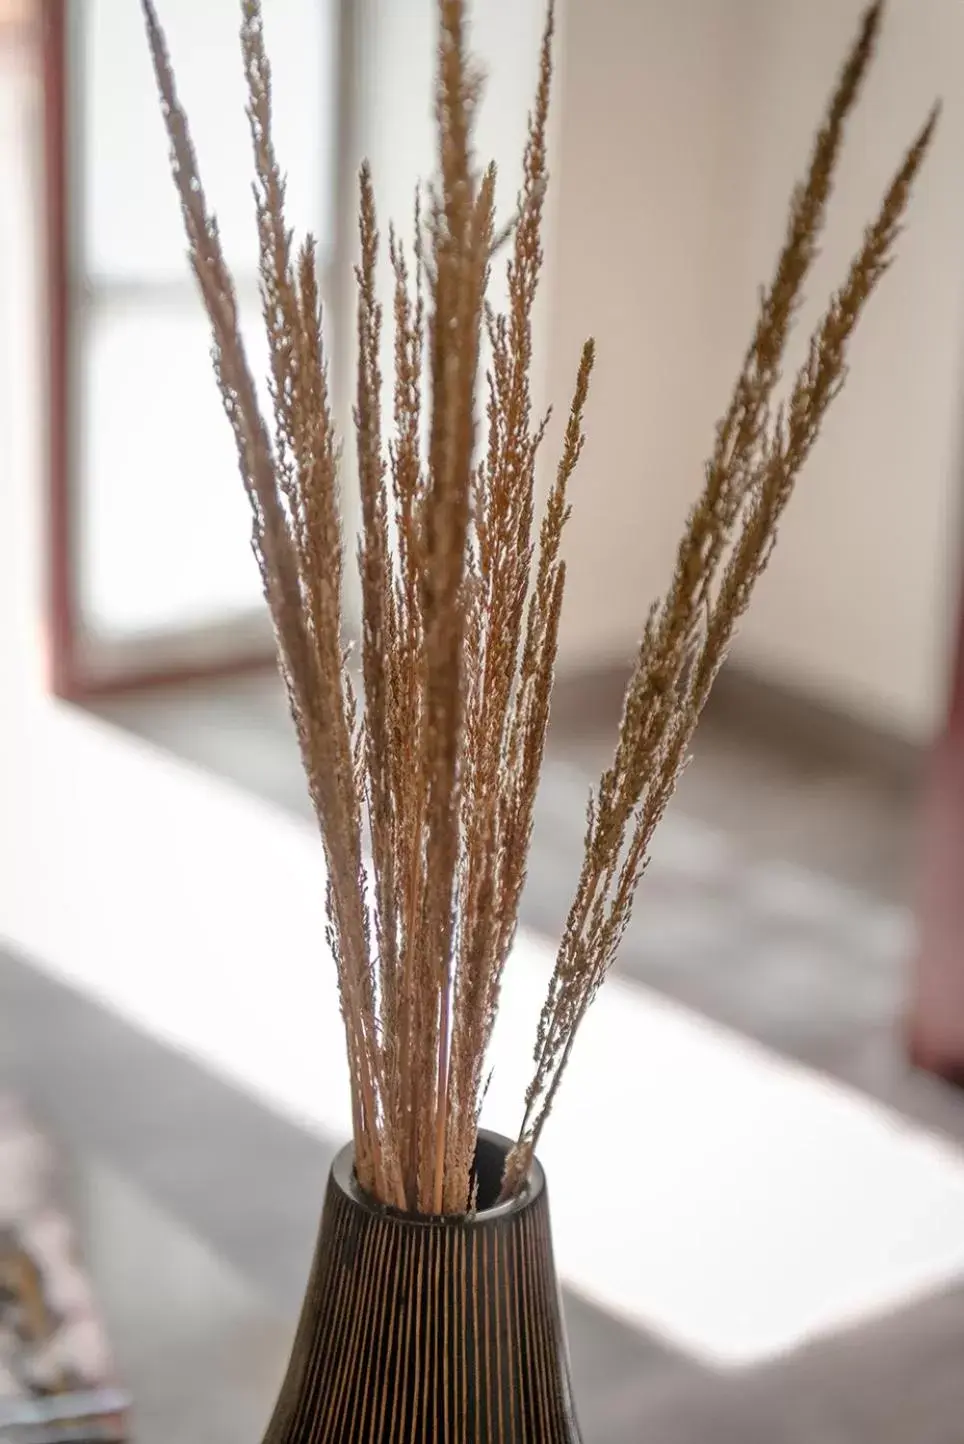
{"points": [[435, 773]]}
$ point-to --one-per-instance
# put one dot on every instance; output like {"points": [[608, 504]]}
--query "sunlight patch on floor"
{"points": [[702, 1187]]}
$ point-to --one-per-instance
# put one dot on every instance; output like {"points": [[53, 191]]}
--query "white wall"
{"points": [[860, 603], [683, 129], [650, 113], [396, 129], [393, 128]]}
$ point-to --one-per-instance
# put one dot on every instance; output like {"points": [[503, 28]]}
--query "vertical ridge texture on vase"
{"points": [[430, 1331]]}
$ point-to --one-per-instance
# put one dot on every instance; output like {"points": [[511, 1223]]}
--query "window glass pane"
{"points": [[164, 524], [130, 223]]}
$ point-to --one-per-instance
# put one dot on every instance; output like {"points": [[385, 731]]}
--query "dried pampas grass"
{"points": [[435, 769]]}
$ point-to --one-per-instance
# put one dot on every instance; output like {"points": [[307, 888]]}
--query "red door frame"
{"points": [[936, 1016]]}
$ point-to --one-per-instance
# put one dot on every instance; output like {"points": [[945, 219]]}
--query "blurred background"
{"points": [[787, 1254]]}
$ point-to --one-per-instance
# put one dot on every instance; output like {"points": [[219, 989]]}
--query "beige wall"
{"points": [[683, 128]]}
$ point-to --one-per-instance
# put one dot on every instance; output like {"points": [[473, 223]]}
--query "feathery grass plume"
{"points": [[434, 769], [727, 543]]}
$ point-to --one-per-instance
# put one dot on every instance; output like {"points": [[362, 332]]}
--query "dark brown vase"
{"points": [[430, 1331]]}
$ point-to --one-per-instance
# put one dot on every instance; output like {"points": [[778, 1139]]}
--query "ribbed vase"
{"points": [[430, 1330]]}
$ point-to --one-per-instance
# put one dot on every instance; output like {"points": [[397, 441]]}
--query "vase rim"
{"points": [[343, 1175]]}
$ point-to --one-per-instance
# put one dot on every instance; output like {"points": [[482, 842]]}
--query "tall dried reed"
{"points": [[435, 772]]}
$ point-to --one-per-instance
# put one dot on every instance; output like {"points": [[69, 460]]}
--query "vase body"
{"points": [[430, 1331]]}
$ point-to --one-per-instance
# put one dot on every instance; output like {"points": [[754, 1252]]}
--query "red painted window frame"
{"points": [[68, 675]]}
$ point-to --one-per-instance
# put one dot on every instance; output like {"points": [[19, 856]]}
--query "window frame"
{"points": [[77, 669]]}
